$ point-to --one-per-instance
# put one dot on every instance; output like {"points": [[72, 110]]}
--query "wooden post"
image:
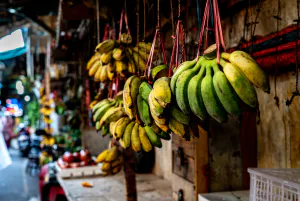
{"points": [[201, 161], [131, 194], [248, 145]]}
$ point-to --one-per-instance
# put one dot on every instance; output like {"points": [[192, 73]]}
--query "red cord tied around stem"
{"points": [[117, 85], [123, 15], [179, 35], [217, 27], [158, 35]]}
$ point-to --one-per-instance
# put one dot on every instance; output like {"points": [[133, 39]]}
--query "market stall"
{"points": [[170, 100]]}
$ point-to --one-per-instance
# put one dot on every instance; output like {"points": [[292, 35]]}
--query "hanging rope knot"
{"points": [[174, 37]]}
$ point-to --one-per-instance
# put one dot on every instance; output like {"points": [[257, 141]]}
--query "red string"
{"points": [[106, 32], [149, 61], [220, 28], [121, 24], [175, 50], [216, 31], [123, 15], [205, 15]]}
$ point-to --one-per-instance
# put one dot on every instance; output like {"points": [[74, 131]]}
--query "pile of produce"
{"points": [[76, 159], [114, 57], [203, 88], [111, 159], [46, 110]]}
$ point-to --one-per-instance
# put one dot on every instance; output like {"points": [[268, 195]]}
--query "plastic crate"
{"points": [[274, 184]]}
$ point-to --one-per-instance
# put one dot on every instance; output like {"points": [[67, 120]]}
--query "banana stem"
{"points": [[208, 70], [215, 68], [222, 62], [202, 70], [225, 55]]}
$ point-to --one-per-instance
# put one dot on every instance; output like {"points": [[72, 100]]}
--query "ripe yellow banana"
{"points": [[94, 68], [106, 166], [102, 156], [145, 142], [161, 91], [135, 139], [112, 154], [120, 127], [105, 46], [250, 68]]}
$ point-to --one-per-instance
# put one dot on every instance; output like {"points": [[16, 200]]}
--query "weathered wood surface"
{"points": [[225, 159], [279, 129], [112, 188]]}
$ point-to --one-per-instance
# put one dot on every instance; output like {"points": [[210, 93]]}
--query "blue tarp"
{"points": [[17, 51]]}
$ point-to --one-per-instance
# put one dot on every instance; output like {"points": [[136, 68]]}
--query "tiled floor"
{"points": [[112, 188]]}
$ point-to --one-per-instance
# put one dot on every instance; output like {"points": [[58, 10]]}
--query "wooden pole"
{"points": [[131, 194]]}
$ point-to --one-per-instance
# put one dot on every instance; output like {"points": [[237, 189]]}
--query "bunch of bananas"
{"points": [[106, 111], [201, 88], [46, 110], [118, 58], [111, 159]]}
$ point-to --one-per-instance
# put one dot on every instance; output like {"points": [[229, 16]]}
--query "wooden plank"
{"points": [[248, 145], [187, 171], [201, 161], [187, 146]]}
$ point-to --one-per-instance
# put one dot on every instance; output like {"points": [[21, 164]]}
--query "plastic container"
{"points": [[274, 184]]}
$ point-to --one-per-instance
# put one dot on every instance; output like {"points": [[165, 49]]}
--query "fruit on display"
{"points": [[250, 68], [74, 160], [113, 58], [205, 88], [111, 159]]}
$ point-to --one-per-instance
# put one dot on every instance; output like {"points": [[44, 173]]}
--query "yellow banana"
{"points": [[250, 68], [112, 154], [145, 142], [106, 166], [102, 156], [161, 91], [103, 75], [135, 140], [94, 68], [105, 46], [120, 127], [106, 57]]}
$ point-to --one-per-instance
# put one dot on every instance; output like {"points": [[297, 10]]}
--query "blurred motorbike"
{"points": [[24, 142]]}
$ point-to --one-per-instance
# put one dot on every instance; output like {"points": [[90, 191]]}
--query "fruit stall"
{"points": [[193, 93]]}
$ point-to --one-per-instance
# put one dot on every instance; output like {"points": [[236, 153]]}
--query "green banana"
{"points": [[99, 104], [164, 135], [181, 88], [181, 68], [154, 139], [134, 90], [145, 90], [179, 115], [143, 110], [194, 95], [210, 98], [104, 130], [240, 83], [97, 126], [225, 93], [101, 111], [127, 134]]}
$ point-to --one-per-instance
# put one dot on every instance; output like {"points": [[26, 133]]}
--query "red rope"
{"points": [[205, 16], [123, 15], [175, 50]]}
